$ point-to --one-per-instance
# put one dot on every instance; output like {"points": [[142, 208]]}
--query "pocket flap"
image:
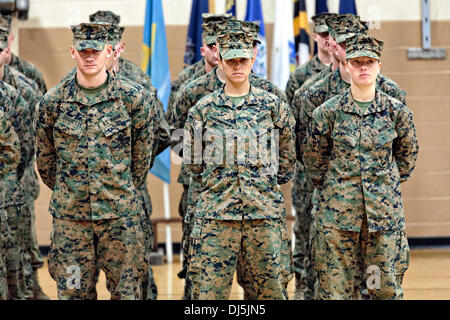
{"points": [[70, 126], [114, 124], [386, 135], [345, 136]]}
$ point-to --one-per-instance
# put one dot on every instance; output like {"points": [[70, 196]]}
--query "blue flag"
{"points": [[194, 37], [254, 13], [347, 6], [156, 64], [230, 7]]}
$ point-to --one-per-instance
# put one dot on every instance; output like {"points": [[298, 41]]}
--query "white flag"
{"points": [[283, 51]]}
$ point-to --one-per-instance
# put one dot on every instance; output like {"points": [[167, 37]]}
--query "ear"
{"points": [[203, 51], [72, 52], [109, 50]]}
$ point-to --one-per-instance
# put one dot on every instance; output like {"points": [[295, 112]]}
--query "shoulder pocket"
{"points": [[111, 125], [384, 136], [345, 136]]}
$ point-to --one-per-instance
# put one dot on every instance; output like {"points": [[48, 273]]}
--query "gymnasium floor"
{"points": [[428, 278]]}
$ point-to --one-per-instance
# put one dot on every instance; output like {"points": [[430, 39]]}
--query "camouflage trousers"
{"points": [[185, 237], [5, 238], [346, 260], [149, 291], [36, 257], [218, 247], [302, 190], [116, 245], [18, 257]]}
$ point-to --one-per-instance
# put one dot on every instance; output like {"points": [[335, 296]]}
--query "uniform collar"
{"points": [[351, 106], [225, 101], [74, 93]]}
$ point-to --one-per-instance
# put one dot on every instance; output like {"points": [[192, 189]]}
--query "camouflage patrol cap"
{"points": [[105, 16], [252, 28], [348, 25], [4, 32], [320, 21], [363, 46], [209, 31], [114, 32], [233, 25], [235, 45], [89, 36]]}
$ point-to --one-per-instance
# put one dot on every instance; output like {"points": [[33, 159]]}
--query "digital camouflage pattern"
{"points": [[185, 74], [320, 21], [189, 95], [336, 255], [5, 238], [130, 70], [104, 16], [17, 111], [114, 33], [30, 181], [89, 36], [301, 74], [363, 46], [120, 251], [235, 45], [243, 198], [345, 26], [95, 154], [357, 161], [219, 247], [9, 146], [209, 32], [305, 103], [29, 70], [12, 198]]}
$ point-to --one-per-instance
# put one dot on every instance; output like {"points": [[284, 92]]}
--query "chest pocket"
{"points": [[385, 135], [345, 136], [70, 126], [115, 124]]}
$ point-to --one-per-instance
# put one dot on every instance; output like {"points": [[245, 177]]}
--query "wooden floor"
{"points": [[428, 277]]}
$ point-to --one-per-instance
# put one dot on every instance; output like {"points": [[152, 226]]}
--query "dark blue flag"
{"points": [[347, 6], [254, 13], [194, 37], [321, 6]]}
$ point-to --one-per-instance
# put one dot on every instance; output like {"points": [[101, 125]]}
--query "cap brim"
{"points": [[228, 54], [342, 37], [89, 44], [209, 40], [362, 53], [321, 29]]}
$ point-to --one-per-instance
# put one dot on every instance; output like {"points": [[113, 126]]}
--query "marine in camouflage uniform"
{"points": [[300, 186], [10, 156], [240, 216], [357, 155], [94, 148], [13, 200], [189, 95], [345, 26], [162, 140], [29, 182], [209, 62]]}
